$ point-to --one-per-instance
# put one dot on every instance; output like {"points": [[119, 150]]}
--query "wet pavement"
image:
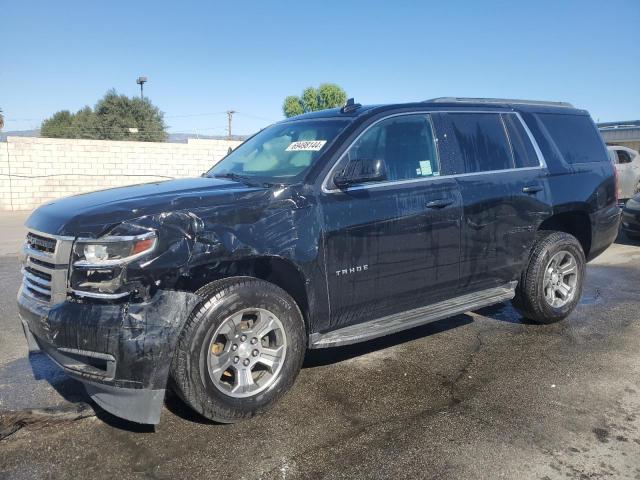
{"points": [[480, 395]]}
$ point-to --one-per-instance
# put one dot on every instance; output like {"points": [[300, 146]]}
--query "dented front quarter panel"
{"points": [[215, 241]]}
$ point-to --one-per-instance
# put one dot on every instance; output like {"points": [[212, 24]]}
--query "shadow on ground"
{"points": [[42, 368]]}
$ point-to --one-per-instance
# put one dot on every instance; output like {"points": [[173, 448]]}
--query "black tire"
{"points": [[189, 374], [530, 300]]}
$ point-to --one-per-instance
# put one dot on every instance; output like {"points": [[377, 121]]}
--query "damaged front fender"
{"points": [[118, 326]]}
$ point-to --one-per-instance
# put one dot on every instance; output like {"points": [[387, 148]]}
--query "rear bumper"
{"points": [[630, 222], [120, 352], [605, 225]]}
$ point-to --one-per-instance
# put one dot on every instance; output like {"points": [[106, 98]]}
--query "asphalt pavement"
{"points": [[480, 395]]}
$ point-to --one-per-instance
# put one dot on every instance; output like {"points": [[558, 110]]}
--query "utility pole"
{"points": [[141, 81], [229, 118]]}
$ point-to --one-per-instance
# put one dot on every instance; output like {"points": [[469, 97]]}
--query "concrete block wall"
{"points": [[37, 170], [5, 184]]}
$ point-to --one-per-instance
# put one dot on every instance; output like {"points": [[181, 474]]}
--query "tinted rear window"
{"points": [[524, 155], [576, 137], [481, 140]]}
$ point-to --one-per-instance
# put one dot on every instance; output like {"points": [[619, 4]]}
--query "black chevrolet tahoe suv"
{"points": [[326, 229]]}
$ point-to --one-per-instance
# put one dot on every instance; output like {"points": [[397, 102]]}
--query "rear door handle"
{"points": [[532, 189], [440, 203]]}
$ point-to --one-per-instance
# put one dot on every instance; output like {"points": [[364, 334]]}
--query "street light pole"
{"points": [[141, 81]]}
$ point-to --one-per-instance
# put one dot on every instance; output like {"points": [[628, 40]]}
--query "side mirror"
{"points": [[361, 171]]}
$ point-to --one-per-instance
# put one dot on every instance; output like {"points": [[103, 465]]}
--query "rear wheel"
{"points": [[240, 350], [551, 284]]}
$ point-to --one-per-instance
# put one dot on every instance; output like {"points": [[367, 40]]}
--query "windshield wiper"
{"points": [[246, 179], [236, 177]]}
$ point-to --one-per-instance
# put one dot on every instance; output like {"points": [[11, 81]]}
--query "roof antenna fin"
{"points": [[350, 106]]}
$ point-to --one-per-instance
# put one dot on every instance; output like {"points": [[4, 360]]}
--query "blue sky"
{"points": [[203, 58]]}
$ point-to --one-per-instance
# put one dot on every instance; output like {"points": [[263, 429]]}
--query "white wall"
{"points": [[36, 170]]}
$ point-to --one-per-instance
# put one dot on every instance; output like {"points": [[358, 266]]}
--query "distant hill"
{"points": [[183, 137], [172, 138], [19, 133]]}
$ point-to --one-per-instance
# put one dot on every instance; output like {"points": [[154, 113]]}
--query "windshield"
{"points": [[281, 151]]}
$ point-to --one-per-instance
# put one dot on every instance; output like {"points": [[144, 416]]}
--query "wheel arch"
{"points": [[573, 222], [277, 270]]}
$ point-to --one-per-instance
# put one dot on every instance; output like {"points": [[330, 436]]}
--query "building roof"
{"points": [[623, 131]]}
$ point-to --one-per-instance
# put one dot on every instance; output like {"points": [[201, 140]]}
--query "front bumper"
{"points": [[121, 352]]}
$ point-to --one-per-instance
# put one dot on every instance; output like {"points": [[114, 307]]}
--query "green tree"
{"points": [[327, 95], [115, 117], [292, 106], [58, 126], [84, 123], [1, 119]]}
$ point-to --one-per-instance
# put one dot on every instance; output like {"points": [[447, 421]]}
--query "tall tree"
{"points": [[115, 117], [1, 119], [60, 125], [292, 106], [327, 95]]}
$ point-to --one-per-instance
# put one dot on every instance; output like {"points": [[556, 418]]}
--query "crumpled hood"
{"points": [[90, 214]]}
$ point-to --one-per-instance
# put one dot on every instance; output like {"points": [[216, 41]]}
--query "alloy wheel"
{"points": [[560, 279], [246, 352]]}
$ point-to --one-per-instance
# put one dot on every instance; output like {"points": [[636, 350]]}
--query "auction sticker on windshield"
{"points": [[306, 146]]}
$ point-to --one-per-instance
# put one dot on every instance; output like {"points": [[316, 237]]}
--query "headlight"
{"points": [[98, 266], [112, 251]]}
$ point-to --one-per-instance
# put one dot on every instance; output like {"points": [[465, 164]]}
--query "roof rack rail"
{"points": [[498, 100]]}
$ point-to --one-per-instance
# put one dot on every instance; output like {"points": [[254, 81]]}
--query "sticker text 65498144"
{"points": [[306, 145]]}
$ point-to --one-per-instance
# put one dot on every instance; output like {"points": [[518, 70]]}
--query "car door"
{"points": [[504, 192], [391, 245]]}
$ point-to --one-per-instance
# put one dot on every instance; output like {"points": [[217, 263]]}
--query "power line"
{"points": [[257, 117], [195, 130], [24, 119], [187, 115]]}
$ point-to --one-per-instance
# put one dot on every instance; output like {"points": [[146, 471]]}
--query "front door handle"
{"points": [[439, 203], [532, 189]]}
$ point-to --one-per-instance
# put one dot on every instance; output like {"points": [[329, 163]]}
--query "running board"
{"points": [[402, 321]]}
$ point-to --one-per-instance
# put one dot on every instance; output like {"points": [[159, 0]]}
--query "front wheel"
{"points": [[240, 350], [551, 284]]}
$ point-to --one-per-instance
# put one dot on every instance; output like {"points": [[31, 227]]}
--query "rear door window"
{"points": [[575, 136], [524, 155], [481, 140]]}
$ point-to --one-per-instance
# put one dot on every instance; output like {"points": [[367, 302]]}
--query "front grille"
{"points": [[45, 266], [40, 243], [35, 292], [37, 273]]}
